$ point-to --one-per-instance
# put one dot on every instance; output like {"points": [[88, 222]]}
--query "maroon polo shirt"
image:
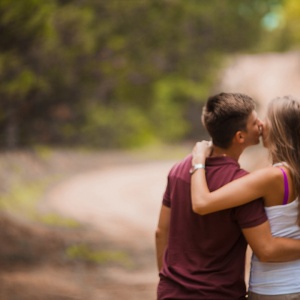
{"points": [[205, 257]]}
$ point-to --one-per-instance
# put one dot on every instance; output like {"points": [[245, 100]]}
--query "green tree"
{"points": [[115, 73], [159, 59], [22, 24], [288, 25]]}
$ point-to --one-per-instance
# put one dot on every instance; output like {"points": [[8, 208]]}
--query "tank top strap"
{"points": [[286, 187], [285, 180]]}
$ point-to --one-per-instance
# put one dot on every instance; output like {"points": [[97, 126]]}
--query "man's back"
{"points": [[205, 256]]}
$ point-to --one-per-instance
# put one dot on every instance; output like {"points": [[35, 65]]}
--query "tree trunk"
{"points": [[11, 129]]}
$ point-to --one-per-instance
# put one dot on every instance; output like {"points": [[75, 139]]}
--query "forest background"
{"points": [[88, 88], [124, 73]]}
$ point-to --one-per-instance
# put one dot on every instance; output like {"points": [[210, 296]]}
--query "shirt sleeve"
{"points": [[251, 214], [167, 194]]}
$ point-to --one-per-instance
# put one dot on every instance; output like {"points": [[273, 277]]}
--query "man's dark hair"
{"points": [[225, 114]]}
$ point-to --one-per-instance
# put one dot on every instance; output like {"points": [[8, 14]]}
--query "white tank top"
{"points": [[278, 278]]}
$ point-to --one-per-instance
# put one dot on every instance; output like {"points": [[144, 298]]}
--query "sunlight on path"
{"points": [[123, 202]]}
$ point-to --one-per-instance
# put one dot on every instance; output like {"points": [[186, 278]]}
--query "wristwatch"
{"points": [[195, 167]]}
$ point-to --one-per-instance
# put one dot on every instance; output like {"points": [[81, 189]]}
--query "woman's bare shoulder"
{"points": [[269, 175], [267, 171]]}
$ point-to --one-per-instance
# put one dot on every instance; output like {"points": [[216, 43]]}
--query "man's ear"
{"points": [[239, 137]]}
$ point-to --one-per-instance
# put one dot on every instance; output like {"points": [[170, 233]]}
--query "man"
{"points": [[203, 257]]}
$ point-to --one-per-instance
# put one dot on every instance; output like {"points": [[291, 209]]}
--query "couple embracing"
{"points": [[212, 209]]}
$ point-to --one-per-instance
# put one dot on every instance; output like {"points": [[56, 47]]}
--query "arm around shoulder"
{"points": [[238, 192]]}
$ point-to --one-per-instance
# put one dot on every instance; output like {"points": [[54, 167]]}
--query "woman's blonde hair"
{"points": [[283, 116]]}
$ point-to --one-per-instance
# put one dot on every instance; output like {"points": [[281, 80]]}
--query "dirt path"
{"points": [[123, 204]]}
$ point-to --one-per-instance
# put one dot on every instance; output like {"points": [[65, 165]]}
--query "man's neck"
{"points": [[232, 152]]}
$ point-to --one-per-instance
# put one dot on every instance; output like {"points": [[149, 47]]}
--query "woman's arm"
{"points": [[238, 192]]}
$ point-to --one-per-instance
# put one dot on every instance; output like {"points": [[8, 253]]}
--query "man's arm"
{"points": [[271, 249], [162, 234]]}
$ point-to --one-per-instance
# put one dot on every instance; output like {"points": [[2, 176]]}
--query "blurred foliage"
{"points": [[85, 253], [282, 24], [22, 199], [121, 73], [289, 25], [56, 220]]}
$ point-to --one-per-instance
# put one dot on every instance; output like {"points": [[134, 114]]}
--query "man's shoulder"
{"points": [[181, 165], [240, 173], [181, 169], [226, 165]]}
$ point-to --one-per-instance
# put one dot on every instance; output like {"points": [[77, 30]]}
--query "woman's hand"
{"points": [[201, 151]]}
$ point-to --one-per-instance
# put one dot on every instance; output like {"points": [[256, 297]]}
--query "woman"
{"points": [[279, 186]]}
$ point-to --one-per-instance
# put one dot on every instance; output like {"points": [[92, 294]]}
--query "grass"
{"points": [[22, 199], [57, 220], [84, 253]]}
